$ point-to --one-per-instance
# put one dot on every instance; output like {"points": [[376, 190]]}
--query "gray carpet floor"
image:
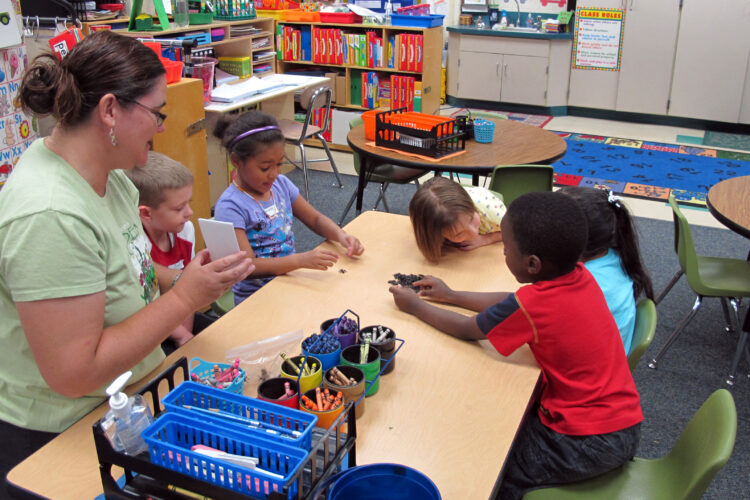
{"points": [[695, 365]]}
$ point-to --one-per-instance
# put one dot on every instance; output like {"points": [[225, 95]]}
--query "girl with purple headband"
{"points": [[260, 203]]}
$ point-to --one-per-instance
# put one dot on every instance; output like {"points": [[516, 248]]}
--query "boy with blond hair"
{"points": [[165, 189]]}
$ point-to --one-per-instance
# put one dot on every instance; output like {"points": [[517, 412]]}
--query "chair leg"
{"points": [[303, 157], [348, 206], [741, 343], [725, 307], [381, 196], [330, 159], [669, 286], [677, 331]]}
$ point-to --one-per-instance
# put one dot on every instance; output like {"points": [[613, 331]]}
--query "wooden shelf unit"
{"points": [[239, 45], [432, 46]]}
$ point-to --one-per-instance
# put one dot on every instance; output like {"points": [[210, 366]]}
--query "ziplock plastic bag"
{"points": [[261, 360]]}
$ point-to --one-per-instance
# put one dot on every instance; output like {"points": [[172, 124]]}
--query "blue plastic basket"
{"points": [[428, 21], [171, 437], [249, 415], [484, 130], [206, 368]]}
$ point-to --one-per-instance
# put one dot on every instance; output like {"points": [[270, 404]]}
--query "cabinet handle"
{"points": [[497, 69], [505, 70]]}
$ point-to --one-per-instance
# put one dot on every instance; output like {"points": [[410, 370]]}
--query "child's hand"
{"points": [[433, 288], [318, 259], [203, 281], [405, 298], [480, 241], [352, 245]]}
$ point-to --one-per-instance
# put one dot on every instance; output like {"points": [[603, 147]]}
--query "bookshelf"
{"points": [[236, 41], [429, 76]]}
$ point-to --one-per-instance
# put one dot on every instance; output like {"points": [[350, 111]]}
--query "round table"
{"points": [[729, 202], [514, 144]]}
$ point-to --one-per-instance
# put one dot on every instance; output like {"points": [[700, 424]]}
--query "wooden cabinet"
{"points": [[479, 76], [432, 43], [184, 140], [711, 65], [642, 84], [506, 69]]}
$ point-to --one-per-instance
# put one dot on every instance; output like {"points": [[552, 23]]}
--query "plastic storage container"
{"points": [[419, 133], [205, 368], [484, 130], [292, 427], [428, 21], [171, 437], [340, 18]]}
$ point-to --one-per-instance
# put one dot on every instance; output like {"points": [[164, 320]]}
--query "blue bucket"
{"points": [[382, 482]]}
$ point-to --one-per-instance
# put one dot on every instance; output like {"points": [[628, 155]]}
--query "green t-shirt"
{"points": [[58, 238]]}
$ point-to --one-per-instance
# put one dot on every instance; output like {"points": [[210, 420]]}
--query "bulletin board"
{"points": [[597, 44], [17, 129]]}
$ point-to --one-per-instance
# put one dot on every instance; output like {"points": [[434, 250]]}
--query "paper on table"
{"points": [[229, 92]]}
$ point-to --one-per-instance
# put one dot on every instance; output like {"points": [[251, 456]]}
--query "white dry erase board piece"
{"points": [[219, 237]]}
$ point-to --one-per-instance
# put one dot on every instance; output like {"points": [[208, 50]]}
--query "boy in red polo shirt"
{"points": [[588, 417]]}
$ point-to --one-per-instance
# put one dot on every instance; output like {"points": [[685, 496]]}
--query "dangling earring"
{"points": [[112, 137]]}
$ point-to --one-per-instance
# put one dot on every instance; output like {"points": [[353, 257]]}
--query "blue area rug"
{"points": [[644, 169]]}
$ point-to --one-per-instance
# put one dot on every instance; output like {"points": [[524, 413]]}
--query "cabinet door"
{"points": [[647, 55], [711, 60], [479, 76], [594, 88], [524, 80]]}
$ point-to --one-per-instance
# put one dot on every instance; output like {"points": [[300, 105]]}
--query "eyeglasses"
{"points": [[160, 117]]}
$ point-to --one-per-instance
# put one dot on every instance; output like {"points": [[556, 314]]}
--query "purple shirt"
{"points": [[268, 225]]}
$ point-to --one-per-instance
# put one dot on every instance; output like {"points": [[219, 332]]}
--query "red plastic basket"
{"points": [[415, 10], [340, 18]]}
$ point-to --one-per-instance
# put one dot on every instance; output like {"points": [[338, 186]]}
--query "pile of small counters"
{"points": [[336, 377], [324, 343], [306, 369], [379, 335], [219, 378], [325, 401]]}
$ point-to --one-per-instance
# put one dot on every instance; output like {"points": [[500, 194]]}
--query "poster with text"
{"points": [[17, 129], [597, 43]]}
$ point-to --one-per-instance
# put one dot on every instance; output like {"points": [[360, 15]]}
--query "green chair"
{"points": [[223, 304], [643, 333], [512, 181], [684, 473], [383, 174], [728, 279]]}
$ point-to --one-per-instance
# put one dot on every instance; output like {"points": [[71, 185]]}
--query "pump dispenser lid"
{"points": [[117, 398]]}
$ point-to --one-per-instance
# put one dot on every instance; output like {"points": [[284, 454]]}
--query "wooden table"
{"points": [[514, 144], [729, 202], [450, 408]]}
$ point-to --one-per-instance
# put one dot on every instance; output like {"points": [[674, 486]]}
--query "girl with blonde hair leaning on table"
{"points": [[79, 296]]}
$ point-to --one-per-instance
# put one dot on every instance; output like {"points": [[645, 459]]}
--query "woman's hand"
{"points": [[318, 259], [434, 288], [353, 245], [203, 281]]}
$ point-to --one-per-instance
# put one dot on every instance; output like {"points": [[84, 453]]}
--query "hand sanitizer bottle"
{"points": [[504, 20], [127, 418]]}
